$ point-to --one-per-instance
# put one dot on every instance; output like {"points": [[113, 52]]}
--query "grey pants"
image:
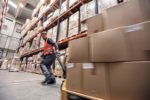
{"points": [[46, 64]]}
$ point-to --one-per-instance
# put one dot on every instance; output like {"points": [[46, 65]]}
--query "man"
{"points": [[50, 47]]}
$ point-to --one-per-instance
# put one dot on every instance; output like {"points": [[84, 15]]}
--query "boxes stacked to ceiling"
{"points": [[42, 9], [113, 61]]}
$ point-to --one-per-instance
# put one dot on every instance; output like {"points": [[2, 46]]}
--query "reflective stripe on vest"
{"points": [[48, 48]]}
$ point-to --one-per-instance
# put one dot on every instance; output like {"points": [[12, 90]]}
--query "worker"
{"points": [[48, 58]]}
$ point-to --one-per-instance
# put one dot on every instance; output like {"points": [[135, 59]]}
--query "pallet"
{"points": [[65, 92]]}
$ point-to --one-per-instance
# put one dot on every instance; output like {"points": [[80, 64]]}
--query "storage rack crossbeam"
{"points": [[83, 34]]}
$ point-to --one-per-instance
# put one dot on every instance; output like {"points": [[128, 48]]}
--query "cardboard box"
{"points": [[64, 6], [74, 20], [49, 33], [138, 38], [84, 27], [130, 80], [42, 42], [91, 6], [56, 13], [127, 13], [95, 24], [34, 44], [63, 30], [104, 4], [73, 31], [79, 50], [88, 10], [121, 44], [83, 12], [54, 35], [95, 80], [72, 2], [74, 77]]}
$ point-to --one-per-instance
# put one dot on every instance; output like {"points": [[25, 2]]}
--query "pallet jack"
{"points": [[58, 55]]}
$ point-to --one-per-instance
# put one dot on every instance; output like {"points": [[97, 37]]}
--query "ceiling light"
{"points": [[12, 4], [21, 5]]}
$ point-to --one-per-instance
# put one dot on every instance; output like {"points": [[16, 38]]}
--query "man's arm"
{"points": [[51, 42]]}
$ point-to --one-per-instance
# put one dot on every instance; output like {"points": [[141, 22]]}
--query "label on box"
{"points": [[87, 66], [133, 28], [70, 65]]}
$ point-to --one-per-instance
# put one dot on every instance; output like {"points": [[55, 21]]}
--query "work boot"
{"points": [[52, 81], [46, 74], [46, 81]]}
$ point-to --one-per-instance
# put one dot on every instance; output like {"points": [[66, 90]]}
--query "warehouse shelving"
{"points": [[62, 17], [62, 43], [48, 10], [4, 6], [54, 22]]}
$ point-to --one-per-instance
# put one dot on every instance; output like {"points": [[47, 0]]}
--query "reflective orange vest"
{"points": [[48, 49]]}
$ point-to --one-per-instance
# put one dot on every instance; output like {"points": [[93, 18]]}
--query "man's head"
{"points": [[44, 35]]}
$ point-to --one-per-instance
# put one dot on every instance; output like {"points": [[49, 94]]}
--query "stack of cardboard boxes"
{"points": [[64, 6], [15, 63], [73, 24], [54, 35], [113, 61], [29, 64], [23, 65], [63, 30]]}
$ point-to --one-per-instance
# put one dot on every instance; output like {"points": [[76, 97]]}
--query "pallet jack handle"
{"points": [[61, 64]]}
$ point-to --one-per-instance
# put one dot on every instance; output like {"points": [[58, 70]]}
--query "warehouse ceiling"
{"points": [[22, 13]]}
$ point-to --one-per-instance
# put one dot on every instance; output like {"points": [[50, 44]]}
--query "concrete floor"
{"points": [[26, 86]]}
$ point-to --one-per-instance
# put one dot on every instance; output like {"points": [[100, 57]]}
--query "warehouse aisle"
{"points": [[26, 86]]}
